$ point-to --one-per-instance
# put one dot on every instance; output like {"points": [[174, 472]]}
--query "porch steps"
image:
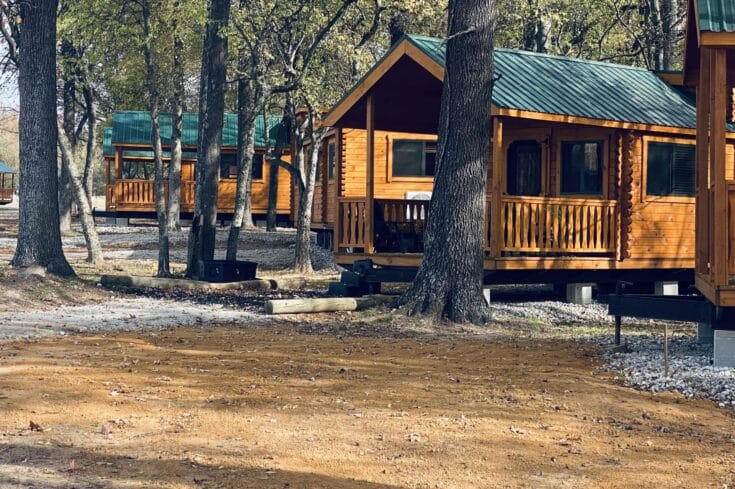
{"points": [[354, 283]]}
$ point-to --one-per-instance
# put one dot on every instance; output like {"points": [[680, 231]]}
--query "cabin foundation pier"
{"points": [[724, 348], [579, 293], [118, 221], [666, 288], [705, 334], [486, 294]]}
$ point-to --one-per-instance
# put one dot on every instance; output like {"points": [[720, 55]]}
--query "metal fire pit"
{"points": [[229, 271]]}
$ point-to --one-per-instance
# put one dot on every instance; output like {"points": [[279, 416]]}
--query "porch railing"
{"points": [[352, 228], [6, 195], [110, 197], [731, 228], [563, 225], [141, 193], [135, 192]]}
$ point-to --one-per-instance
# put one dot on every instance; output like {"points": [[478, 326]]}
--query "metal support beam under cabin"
{"points": [[702, 202], [720, 235], [370, 170]]}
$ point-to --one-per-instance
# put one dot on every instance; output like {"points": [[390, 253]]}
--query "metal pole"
{"points": [[666, 350], [618, 319]]}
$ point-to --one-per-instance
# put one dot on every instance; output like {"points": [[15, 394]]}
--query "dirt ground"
{"points": [[357, 401], [276, 408]]}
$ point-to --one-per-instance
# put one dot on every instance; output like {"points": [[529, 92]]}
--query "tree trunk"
{"points": [[307, 177], [669, 10], [272, 218], [246, 114], [94, 249], [174, 168], [91, 156], [284, 138], [66, 192], [39, 238], [211, 115], [449, 280], [159, 182]]}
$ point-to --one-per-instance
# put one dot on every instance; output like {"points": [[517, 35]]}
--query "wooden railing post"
{"points": [[496, 231], [718, 77], [702, 202], [370, 171], [337, 194]]}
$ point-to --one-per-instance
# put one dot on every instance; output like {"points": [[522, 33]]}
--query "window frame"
{"points": [[262, 168], [230, 176], [417, 138], [645, 197], [583, 138], [331, 160]]}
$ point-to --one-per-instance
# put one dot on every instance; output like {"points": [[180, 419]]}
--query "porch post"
{"points": [[118, 162], [370, 170], [720, 234], [702, 203], [337, 228], [495, 197]]}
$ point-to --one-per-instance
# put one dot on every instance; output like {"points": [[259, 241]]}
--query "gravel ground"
{"points": [[272, 251], [127, 314], [690, 369], [553, 313]]}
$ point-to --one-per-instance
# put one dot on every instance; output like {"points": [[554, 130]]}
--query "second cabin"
{"points": [[129, 167], [591, 168]]}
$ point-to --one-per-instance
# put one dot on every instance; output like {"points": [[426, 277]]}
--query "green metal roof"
{"points": [[5, 168], [109, 150], [716, 15], [570, 86], [134, 127]]}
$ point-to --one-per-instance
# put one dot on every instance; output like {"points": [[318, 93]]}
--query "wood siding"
{"points": [[656, 232]]}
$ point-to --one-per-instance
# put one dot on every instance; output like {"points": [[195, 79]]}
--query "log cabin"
{"points": [[7, 183], [590, 174], [709, 67], [128, 156]]}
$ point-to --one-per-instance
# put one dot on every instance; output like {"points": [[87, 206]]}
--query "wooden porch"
{"points": [[6, 195], [7, 184], [140, 195], [529, 227]]}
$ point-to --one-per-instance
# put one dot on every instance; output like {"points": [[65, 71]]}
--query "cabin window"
{"points": [[414, 158], [331, 158], [524, 168], [671, 170], [228, 166], [581, 167], [257, 170], [318, 177]]}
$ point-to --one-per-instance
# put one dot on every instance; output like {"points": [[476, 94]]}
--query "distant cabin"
{"points": [[7, 183], [129, 167], [591, 167]]}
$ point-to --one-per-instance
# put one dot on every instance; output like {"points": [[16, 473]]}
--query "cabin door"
{"points": [[524, 172]]}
